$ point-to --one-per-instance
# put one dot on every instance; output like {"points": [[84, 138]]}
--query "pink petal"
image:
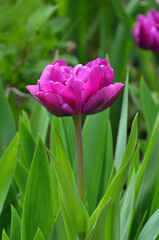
{"points": [[103, 99], [61, 62], [55, 104], [33, 89], [81, 73], [66, 110], [52, 87], [91, 86], [107, 76], [97, 62], [70, 96], [51, 73]]}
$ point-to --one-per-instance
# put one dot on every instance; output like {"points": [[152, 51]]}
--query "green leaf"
{"points": [[7, 166], [28, 143], [73, 204], [112, 222], [4, 235], [98, 231], [131, 143], [147, 155], [122, 129], [108, 161], [39, 235], [149, 180], [21, 176], [39, 17], [69, 138], [65, 129], [94, 135], [155, 202], [118, 181], [112, 174], [39, 121], [56, 124], [127, 209], [7, 125], [15, 225], [58, 231], [38, 200], [25, 120], [13, 197], [54, 184], [150, 108], [68, 226], [63, 159], [151, 228], [141, 225], [135, 163], [112, 192]]}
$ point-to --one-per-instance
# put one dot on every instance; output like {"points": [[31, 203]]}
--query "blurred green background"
{"points": [[34, 33]]}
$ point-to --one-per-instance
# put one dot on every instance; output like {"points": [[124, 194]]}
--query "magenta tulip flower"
{"points": [[66, 91], [146, 31]]}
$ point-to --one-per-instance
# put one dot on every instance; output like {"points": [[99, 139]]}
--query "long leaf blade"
{"points": [[120, 177], [122, 129], [7, 166], [151, 228], [38, 200], [76, 210], [94, 135], [15, 225]]}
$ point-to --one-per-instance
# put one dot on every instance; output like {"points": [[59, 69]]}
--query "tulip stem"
{"points": [[80, 161]]}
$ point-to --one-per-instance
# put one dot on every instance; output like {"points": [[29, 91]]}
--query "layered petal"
{"points": [[61, 62], [70, 97], [66, 91], [91, 86], [104, 69], [102, 99], [55, 104], [55, 73], [33, 89]]}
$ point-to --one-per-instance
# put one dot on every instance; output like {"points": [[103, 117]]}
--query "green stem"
{"points": [[80, 162]]}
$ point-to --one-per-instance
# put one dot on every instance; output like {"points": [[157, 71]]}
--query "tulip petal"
{"points": [[66, 110], [52, 73], [55, 104], [81, 73], [102, 99], [52, 87], [52, 102], [97, 62], [66, 91], [33, 89], [70, 96], [91, 86], [61, 62]]}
